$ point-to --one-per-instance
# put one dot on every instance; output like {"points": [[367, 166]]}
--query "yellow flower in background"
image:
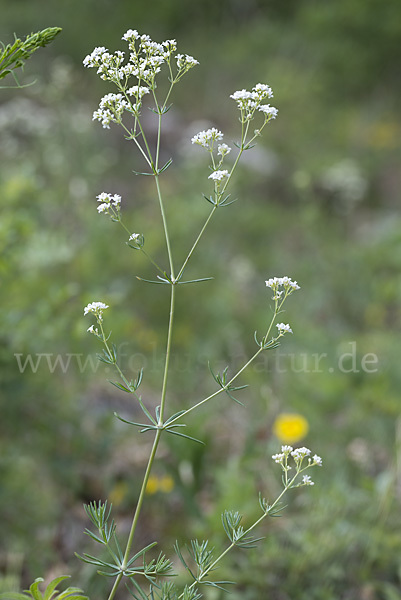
{"points": [[152, 485], [163, 484], [166, 484], [290, 427], [118, 493]]}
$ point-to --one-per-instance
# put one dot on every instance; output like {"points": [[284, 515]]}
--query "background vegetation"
{"points": [[318, 200]]}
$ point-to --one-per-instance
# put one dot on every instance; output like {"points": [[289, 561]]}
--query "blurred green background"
{"points": [[318, 200]]}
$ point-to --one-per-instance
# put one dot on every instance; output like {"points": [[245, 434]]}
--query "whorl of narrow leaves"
{"points": [[13, 56], [235, 532]]}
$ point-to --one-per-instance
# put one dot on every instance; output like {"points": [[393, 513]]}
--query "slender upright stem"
{"points": [[196, 243], [137, 513], [166, 235], [162, 401]]}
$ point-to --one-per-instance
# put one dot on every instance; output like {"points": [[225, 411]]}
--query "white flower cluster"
{"points": [[219, 175], [283, 328], [97, 309], [185, 62], [109, 66], [223, 150], [138, 91], [207, 138], [145, 60], [109, 204], [286, 282], [93, 330], [298, 455], [249, 102], [111, 109]]}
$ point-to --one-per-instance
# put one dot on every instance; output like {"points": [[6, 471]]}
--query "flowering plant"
{"points": [[146, 574]]}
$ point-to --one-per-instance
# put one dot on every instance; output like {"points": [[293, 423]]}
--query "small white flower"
{"points": [[108, 200], [97, 309], [92, 60], [317, 460], [105, 207], [270, 111], [131, 34], [103, 197], [134, 237], [138, 91], [286, 282], [263, 90], [207, 138], [184, 61], [218, 175], [242, 97], [111, 109], [278, 458], [282, 327], [115, 200], [300, 453], [306, 480], [93, 330], [286, 449], [223, 149]]}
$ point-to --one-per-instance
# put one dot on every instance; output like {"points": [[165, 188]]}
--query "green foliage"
{"points": [[339, 67], [13, 56], [34, 593]]}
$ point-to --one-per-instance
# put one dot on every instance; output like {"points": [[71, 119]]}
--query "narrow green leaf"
{"points": [[188, 437], [165, 167], [141, 553], [147, 413], [34, 589], [120, 386], [174, 416], [195, 280], [132, 422], [139, 590], [94, 537], [151, 281]]}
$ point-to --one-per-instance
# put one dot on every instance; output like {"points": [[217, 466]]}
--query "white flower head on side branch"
{"points": [[97, 309], [297, 457], [283, 328], [249, 102], [288, 286]]}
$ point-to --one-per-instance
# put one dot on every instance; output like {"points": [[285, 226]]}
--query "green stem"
{"points": [[168, 354], [233, 544], [196, 243], [137, 513], [162, 404], [166, 235], [221, 390]]}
